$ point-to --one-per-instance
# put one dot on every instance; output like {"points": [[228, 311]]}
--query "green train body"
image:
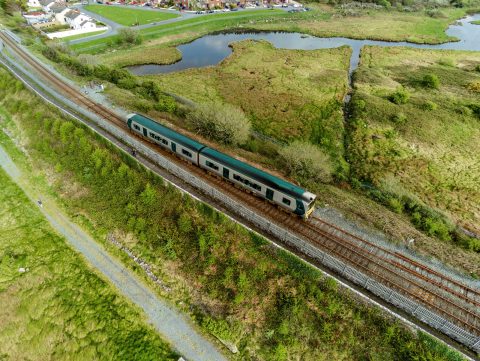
{"points": [[278, 191]]}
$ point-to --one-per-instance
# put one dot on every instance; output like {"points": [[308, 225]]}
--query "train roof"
{"points": [[264, 177], [167, 132]]}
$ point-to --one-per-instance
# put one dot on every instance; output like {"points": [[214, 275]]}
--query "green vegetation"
{"points": [[290, 94], [416, 154], [221, 122], [477, 22], [142, 55], [81, 36], [59, 308], [245, 292], [393, 25], [129, 17]]}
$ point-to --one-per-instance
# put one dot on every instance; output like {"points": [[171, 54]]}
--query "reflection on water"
{"points": [[211, 49]]}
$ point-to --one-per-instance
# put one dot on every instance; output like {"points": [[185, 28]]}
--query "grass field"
{"points": [[129, 17], [81, 36], [416, 27], [60, 309], [238, 288], [427, 146], [282, 91], [141, 55], [477, 22]]}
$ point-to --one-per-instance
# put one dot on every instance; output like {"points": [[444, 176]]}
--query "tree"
{"points": [[221, 122]]}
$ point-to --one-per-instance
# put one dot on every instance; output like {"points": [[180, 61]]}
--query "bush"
{"points": [[166, 104], [306, 161], [401, 96], [222, 122], [129, 36], [429, 105], [399, 118], [474, 86], [431, 81]]}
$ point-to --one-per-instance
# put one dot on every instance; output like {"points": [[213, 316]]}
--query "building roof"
{"points": [[85, 21], [57, 8], [72, 14], [46, 2]]}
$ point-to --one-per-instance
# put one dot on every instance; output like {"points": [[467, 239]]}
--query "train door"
{"points": [[174, 147], [145, 131], [226, 173], [269, 194]]}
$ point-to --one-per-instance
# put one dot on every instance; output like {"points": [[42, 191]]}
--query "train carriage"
{"points": [[165, 137], [282, 193], [274, 189]]}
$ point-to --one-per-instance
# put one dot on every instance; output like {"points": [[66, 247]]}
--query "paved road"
{"points": [[170, 323]]}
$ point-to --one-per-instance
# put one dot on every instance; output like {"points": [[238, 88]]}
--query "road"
{"points": [[169, 322]]}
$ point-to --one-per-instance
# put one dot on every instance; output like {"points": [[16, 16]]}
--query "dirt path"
{"points": [[170, 323]]}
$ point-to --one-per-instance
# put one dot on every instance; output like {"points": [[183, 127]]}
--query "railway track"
{"points": [[453, 300]]}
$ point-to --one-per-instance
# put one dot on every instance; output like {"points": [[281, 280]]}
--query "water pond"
{"points": [[212, 49]]}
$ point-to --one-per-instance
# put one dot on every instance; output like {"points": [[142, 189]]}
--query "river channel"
{"points": [[212, 49]]}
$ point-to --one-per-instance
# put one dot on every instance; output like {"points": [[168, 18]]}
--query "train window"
{"points": [[164, 142], [187, 153], [211, 165], [135, 126], [286, 201], [247, 182], [152, 135]]}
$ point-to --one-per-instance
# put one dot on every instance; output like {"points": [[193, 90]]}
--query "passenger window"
{"points": [[187, 153], [211, 165], [136, 127], [286, 201]]}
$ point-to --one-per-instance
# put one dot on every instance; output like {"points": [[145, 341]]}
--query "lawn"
{"points": [[129, 17], [59, 308], [426, 146], [144, 54], [81, 36]]}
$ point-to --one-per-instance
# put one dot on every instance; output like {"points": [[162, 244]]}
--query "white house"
{"points": [[87, 24], [75, 18], [59, 11]]}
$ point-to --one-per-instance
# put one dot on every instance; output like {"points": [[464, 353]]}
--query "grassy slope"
{"points": [[281, 90], [242, 290], [432, 153], [59, 309], [129, 17], [81, 36]]}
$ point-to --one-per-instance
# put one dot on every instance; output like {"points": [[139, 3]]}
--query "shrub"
{"points": [[431, 81], [166, 104], [222, 122], [401, 96], [399, 118], [395, 205], [307, 161], [129, 36], [446, 62], [429, 105], [474, 86], [477, 68]]}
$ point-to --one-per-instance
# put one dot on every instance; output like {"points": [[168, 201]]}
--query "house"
{"points": [[59, 11], [34, 17], [74, 18], [87, 24]]}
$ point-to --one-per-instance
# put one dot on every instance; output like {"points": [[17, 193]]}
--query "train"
{"points": [[284, 194]]}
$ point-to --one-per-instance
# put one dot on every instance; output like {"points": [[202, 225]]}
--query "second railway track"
{"points": [[446, 296]]}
